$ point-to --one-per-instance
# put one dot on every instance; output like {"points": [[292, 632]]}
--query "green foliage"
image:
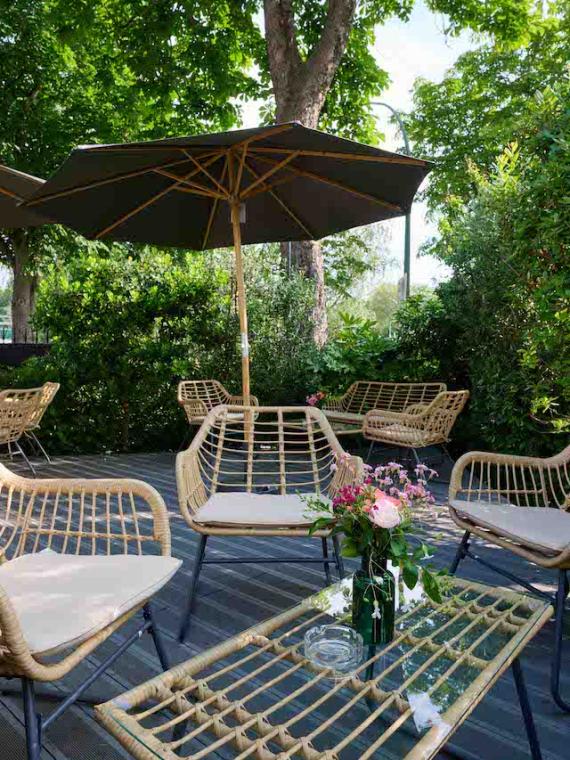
{"points": [[501, 325], [356, 352], [482, 103], [125, 329]]}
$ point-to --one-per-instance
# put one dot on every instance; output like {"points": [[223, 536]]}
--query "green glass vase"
{"points": [[374, 602]]}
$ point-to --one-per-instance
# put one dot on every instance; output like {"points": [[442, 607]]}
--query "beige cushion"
{"points": [[257, 510], [395, 433], [543, 528], [233, 416], [349, 418], [63, 599]]}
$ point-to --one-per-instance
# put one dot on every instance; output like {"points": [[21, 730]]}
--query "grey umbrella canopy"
{"points": [[15, 187], [269, 184]]}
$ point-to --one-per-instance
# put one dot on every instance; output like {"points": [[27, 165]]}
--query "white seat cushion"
{"points": [[543, 528], [64, 599], [255, 510], [349, 418]]}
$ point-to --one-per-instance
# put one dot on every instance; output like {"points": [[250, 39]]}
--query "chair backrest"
{"points": [[519, 480], [16, 414], [441, 414], [35, 400], [280, 450], [363, 396], [210, 392]]}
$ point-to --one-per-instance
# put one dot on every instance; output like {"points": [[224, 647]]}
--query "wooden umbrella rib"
{"points": [[335, 183], [145, 204], [261, 179], [284, 206], [106, 181], [214, 208], [395, 159], [271, 185], [204, 171], [10, 194], [262, 135], [190, 185]]}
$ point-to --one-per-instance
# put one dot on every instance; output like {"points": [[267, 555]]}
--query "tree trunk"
{"points": [[300, 89], [23, 290]]}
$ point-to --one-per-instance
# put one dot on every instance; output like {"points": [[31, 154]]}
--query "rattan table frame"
{"points": [[183, 705]]}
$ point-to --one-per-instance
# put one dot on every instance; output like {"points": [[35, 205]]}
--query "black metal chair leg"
{"points": [[156, 637], [338, 557], [32, 720], [526, 710], [326, 564], [195, 575], [23, 453], [370, 450], [460, 554], [561, 595], [33, 437]]}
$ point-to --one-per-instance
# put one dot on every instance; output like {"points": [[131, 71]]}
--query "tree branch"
{"points": [[328, 53]]}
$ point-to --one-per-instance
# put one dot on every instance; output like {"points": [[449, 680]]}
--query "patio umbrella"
{"points": [[268, 184], [15, 187]]}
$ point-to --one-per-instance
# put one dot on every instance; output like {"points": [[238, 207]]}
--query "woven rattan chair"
{"points": [[197, 397], [59, 597], [42, 398], [246, 481], [363, 396], [521, 504], [17, 411], [419, 426]]}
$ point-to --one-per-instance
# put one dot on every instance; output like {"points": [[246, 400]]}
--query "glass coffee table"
{"points": [[257, 696]]}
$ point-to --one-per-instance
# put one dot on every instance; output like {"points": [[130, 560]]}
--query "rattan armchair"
{"points": [[247, 480], [16, 416], [349, 409], [38, 398], [78, 559], [520, 504], [419, 426], [197, 397]]}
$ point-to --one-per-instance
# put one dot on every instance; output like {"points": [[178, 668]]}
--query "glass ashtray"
{"points": [[337, 647]]}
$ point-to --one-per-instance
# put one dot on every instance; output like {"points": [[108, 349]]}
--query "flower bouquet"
{"points": [[377, 519], [316, 399]]}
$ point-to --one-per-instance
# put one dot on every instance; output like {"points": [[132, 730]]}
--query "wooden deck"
{"points": [[233, 597]]}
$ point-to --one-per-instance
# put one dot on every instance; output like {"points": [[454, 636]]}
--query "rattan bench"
{"points": [[350, 409]]}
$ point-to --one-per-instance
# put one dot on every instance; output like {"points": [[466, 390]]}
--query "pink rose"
{"points": [[386, 513]]}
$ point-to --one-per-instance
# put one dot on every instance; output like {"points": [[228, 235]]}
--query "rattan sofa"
{"points": [[521, 504], [246, 480], [363, 396], [420, 425], [78, 559], [198, 397]]}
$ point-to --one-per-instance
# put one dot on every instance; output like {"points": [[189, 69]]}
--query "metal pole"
{"points": [[407, 223]]}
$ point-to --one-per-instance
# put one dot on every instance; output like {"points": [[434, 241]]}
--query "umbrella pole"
{"points": [[242, 309]]}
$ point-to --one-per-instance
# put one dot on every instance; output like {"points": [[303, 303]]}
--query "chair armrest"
{"points": [[106, 515], [194, 407], [415, 408], [333, 404], [237, 400], [191, 490], [350, 470], [379, 417]]}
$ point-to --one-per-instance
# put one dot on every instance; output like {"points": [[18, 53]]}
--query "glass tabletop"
{"points": [[256, 695]]}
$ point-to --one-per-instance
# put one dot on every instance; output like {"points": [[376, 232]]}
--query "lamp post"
{"points": [[407, 239]]}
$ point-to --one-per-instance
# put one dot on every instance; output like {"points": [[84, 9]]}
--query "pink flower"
{"points": [[385, 517], [386, 513], [312, 400]]}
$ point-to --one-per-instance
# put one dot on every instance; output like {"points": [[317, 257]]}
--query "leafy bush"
{"points": [[126, 329], [501, 325]]}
